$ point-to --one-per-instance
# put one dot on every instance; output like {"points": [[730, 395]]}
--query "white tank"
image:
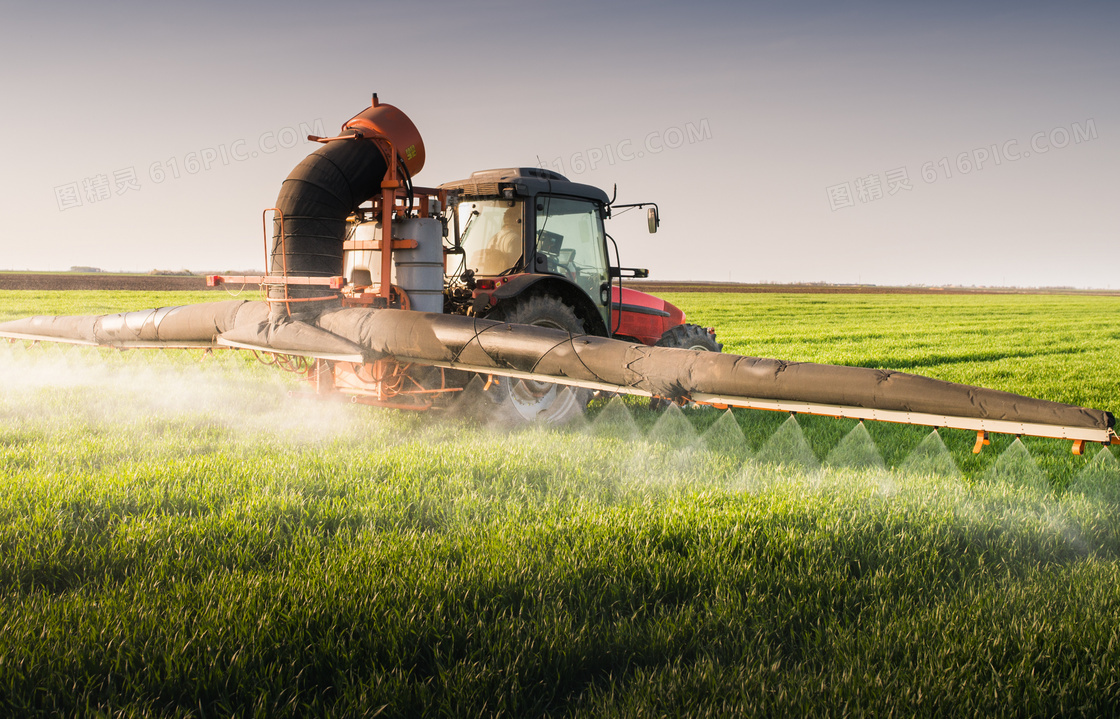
{"points": [[419, 271]]}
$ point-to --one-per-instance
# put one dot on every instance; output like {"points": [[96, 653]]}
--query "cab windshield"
{"points": [[492, 235]]}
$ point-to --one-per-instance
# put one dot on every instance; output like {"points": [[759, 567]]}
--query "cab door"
{"points": [[569, 241]]}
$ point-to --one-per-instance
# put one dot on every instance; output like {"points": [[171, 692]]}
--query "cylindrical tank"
{"points": [[419, 271]]}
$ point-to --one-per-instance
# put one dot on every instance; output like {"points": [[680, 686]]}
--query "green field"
{"points": [[179, 536]]}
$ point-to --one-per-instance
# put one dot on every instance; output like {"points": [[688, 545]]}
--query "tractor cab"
{"points": [[558, 236], [530, 230]]}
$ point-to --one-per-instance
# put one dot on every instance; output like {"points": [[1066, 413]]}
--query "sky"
{"points": [[864, 142]]}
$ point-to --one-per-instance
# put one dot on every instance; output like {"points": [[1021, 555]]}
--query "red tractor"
{"points": [[529, 247]]}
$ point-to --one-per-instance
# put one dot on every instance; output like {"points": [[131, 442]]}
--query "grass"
{"points": [[16, 304], [180, 537]]}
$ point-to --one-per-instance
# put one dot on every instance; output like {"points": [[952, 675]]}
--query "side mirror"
{"points": [[652, 219]]}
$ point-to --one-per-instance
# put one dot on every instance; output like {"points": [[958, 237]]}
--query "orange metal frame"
{"points": [[384, 381], [381, 382], [284, 280]]}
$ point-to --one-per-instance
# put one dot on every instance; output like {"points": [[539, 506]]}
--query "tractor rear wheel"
{"points": [[531, 400], [690, 337]]}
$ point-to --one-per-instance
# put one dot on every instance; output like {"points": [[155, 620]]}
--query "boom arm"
{"points": [[544, 354]]}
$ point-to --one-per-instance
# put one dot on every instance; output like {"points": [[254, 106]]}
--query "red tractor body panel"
{"points": [[642, 316]]}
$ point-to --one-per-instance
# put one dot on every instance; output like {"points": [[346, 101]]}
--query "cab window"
{"points": [[569, 242], [493, 234]]}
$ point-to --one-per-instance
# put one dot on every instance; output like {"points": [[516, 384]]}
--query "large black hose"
{"points": [[315, 200]]}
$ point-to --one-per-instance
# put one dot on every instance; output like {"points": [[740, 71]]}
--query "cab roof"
{"points": [[526, 182]]}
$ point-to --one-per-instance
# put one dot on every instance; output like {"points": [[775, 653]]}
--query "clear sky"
{"points": [[875, 142]]}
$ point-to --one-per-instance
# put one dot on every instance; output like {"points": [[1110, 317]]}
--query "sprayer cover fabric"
{"points": [[557, 356]]}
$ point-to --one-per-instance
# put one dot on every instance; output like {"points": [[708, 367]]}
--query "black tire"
{"points": [[529, 400], [690, 337]]}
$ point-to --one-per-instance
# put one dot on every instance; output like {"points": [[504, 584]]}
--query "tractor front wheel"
{"points": [[690, 337], [531, 400]]}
